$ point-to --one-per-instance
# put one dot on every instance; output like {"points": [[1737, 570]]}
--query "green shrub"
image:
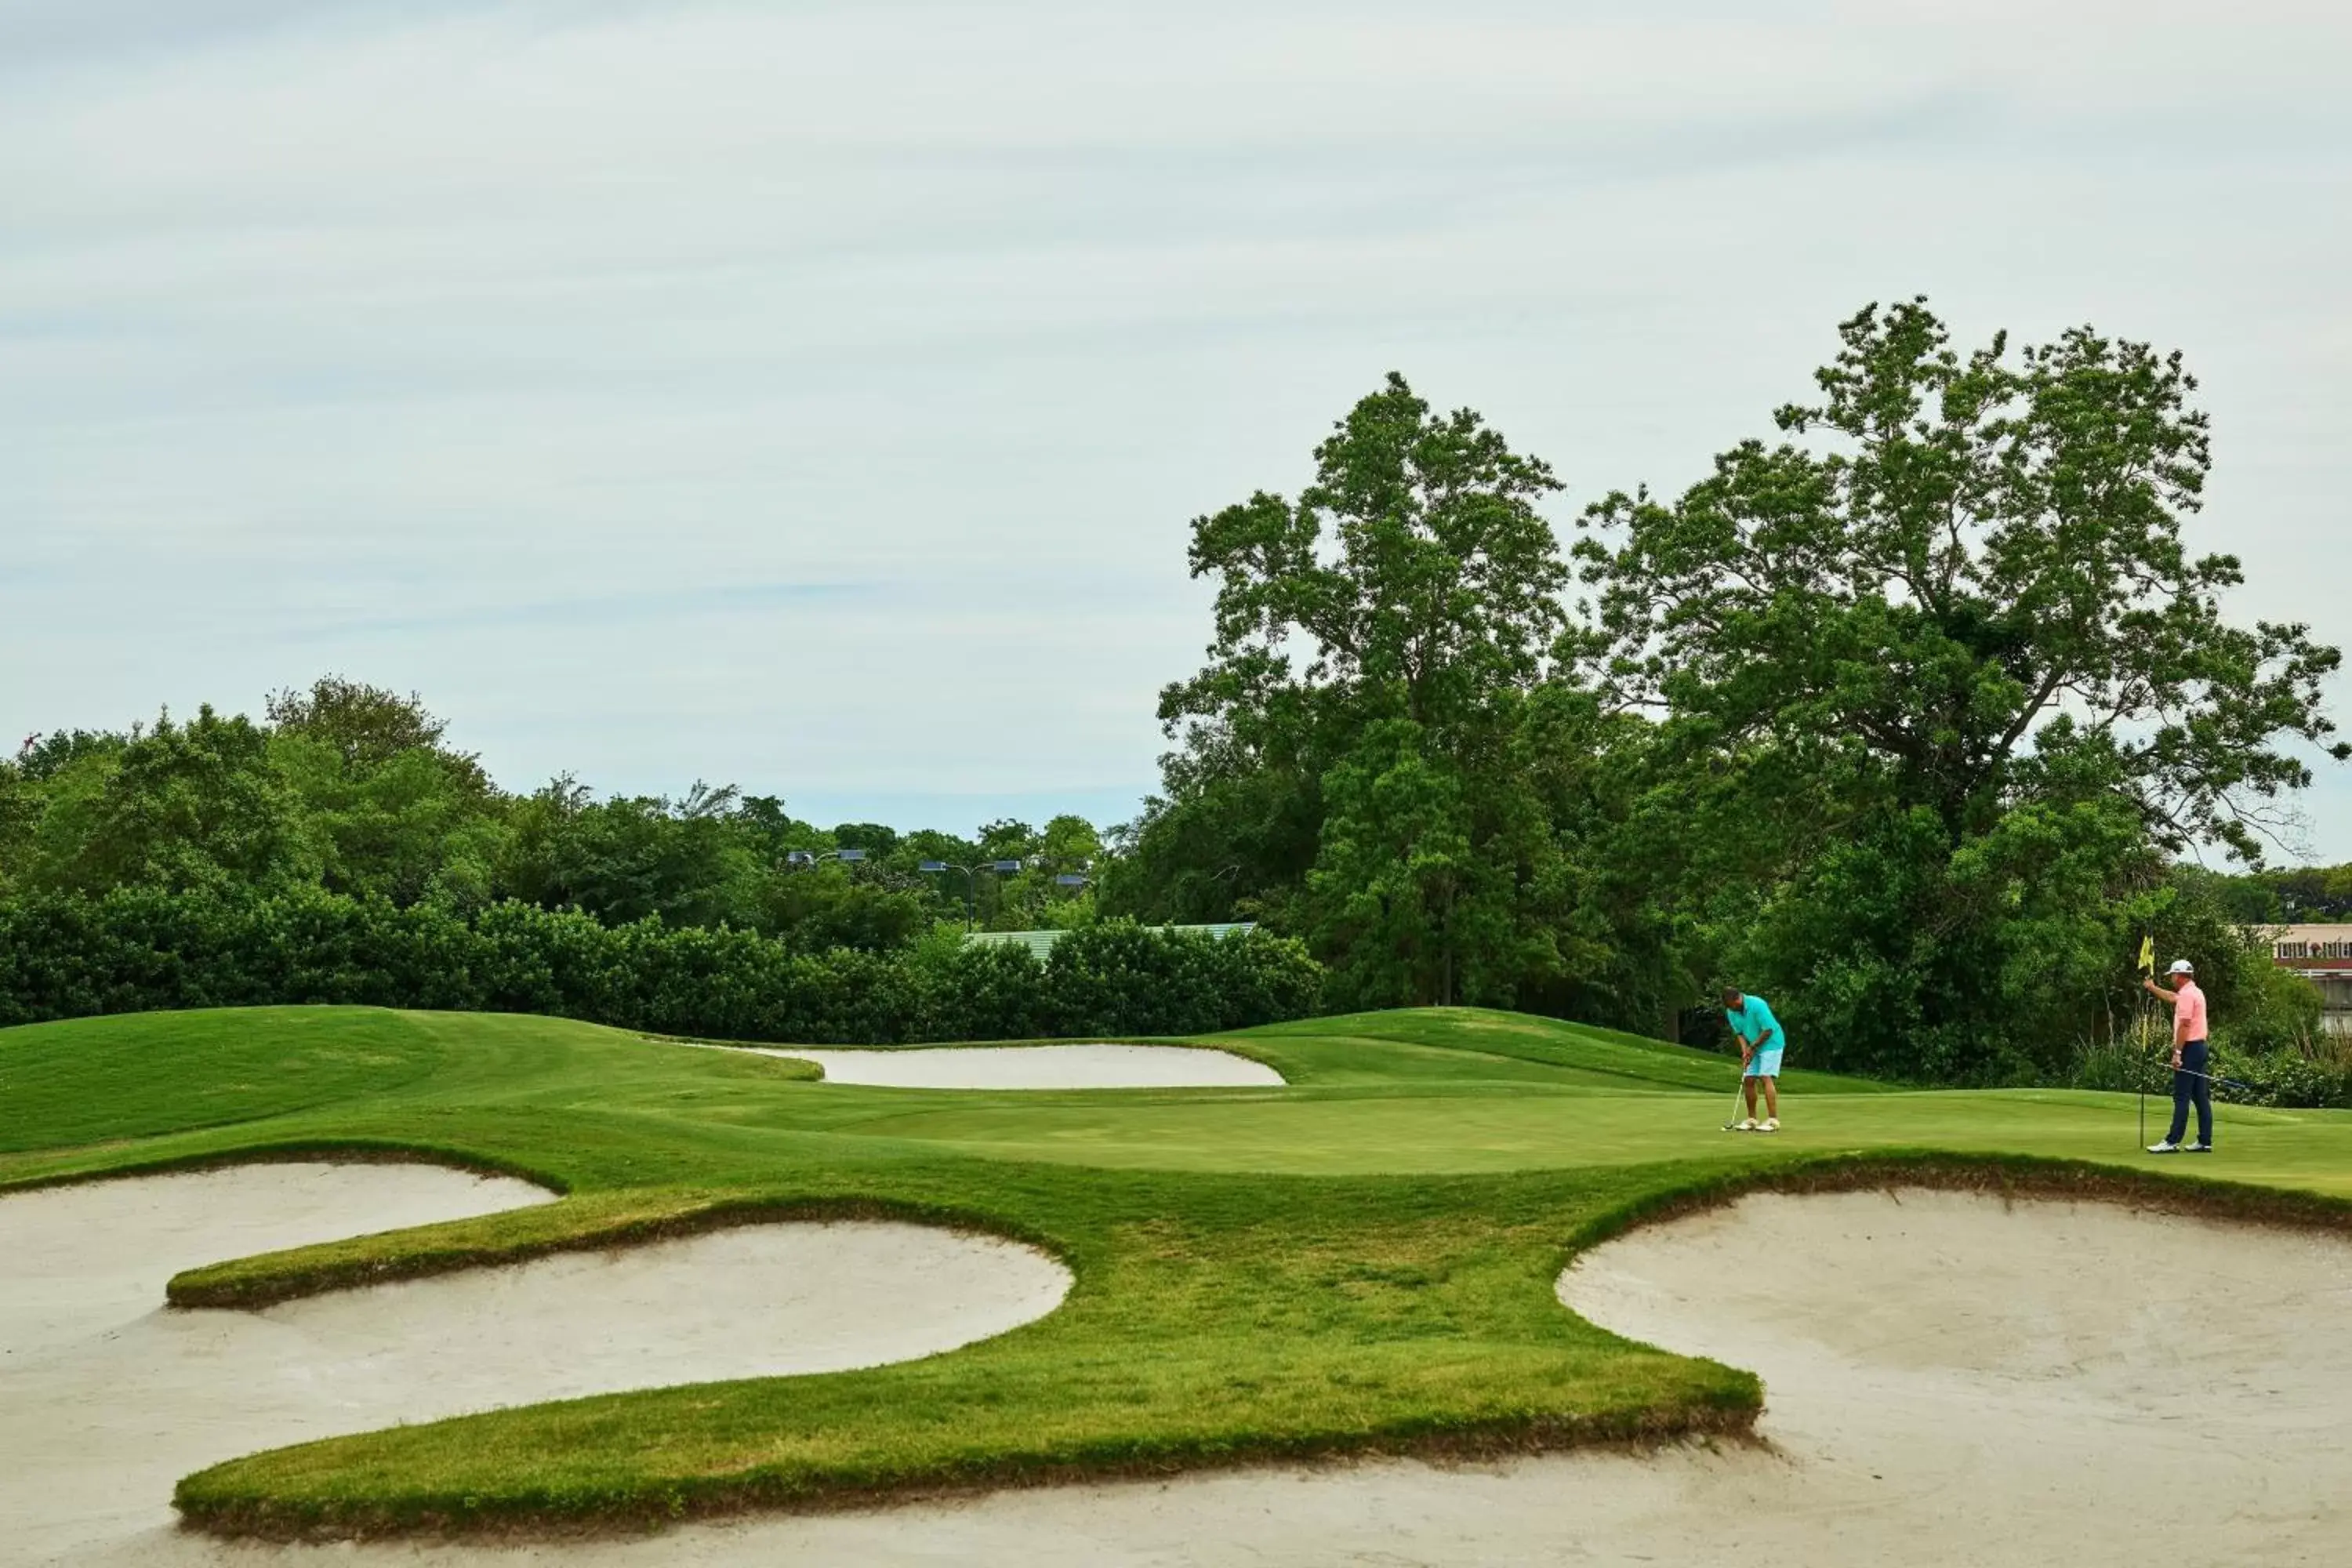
{"points": [[2283, 1076], [134, 949], [2118, 1067]]}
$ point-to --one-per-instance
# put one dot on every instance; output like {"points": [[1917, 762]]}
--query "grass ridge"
{"points": [[208, 1502], [340, 1151], [2029, 1176], [268, 1278]]}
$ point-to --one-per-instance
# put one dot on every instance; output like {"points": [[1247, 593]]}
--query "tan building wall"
{"points": [[2321, 955]]}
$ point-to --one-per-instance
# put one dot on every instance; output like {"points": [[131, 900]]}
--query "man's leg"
{"points": [[1748, 1085], [2184, 1088], [1773, 1099], [2197, 1057]]}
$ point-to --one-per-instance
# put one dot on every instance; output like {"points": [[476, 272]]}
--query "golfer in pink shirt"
{"points": [[2192, 1077]]}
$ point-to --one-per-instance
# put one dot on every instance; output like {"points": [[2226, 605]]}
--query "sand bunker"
{"points": [[1954, 1380], [1040, 1066], [107, 1398], [1951, 1382]]}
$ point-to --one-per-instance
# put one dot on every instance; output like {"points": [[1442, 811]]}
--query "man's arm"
{"points": [[2170, 999]]}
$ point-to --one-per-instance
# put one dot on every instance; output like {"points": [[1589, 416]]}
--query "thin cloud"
{"points": [[817, 395]]}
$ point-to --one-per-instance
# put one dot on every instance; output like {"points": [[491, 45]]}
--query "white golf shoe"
{"points": [[2166, 1147], [1746, 1126], [1771, 1124]]}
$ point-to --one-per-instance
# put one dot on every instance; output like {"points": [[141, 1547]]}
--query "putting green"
{"points": [[1556, 1130], [1362, 1259]]}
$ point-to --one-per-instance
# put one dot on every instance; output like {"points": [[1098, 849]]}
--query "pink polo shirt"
{"points": [[2187, 1014]]}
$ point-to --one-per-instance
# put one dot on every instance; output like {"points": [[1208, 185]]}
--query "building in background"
{"points": [[2321, 955]]}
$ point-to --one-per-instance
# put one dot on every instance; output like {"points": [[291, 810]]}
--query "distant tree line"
{"points": [[354, 789], [2295, 894]]}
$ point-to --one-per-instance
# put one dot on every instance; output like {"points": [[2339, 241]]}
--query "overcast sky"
{"points": [[814, 396]]}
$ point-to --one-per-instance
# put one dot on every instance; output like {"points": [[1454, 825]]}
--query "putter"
{"points": [[1739, 1096]]}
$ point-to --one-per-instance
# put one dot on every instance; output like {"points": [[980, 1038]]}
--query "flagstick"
{"points": [[2141, 1031]]}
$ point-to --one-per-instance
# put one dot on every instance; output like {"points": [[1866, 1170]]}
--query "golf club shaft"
{"points": [[2213, 1078]]}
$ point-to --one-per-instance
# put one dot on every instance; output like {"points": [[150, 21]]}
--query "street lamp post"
{"points": [[1001, 867]]}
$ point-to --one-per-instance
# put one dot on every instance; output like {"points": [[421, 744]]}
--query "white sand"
{"points": [[1951, 1382], [107, 1398], [1039, 1067]]}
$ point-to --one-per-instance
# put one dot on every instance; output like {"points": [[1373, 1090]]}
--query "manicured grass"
{"points": [[92, 1078], [1432, 1042], [1364, 1259]]}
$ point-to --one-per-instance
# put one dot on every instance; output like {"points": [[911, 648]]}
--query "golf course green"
{"points": [[1363, 1259]]}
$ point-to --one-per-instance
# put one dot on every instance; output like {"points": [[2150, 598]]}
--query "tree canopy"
{"points": [[1904, 715], [1352, 754], [353, 789]]}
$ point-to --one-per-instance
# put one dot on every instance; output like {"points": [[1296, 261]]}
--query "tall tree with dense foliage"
{"points": [[1972, 682], [180, 805], [392, 810], [1349, 763]]}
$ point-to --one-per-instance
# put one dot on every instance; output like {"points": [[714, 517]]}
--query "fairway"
{"points": [[1359, 1259]]}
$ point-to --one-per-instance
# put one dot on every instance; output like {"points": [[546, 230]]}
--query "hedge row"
{"points": [[134, 949]]}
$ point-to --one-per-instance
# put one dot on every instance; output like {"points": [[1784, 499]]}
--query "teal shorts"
{"points": [[1764, 1064]]}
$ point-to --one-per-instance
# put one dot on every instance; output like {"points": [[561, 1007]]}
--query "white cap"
{"points": [[2182, 966]]}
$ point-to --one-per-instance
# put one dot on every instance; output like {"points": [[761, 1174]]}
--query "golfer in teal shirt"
{"points": [[1760, 1043]]}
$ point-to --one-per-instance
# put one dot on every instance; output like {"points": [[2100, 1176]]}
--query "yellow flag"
{"points": [[2147, 954]]}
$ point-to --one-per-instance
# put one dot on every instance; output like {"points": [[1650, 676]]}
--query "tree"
{"points": [[409, 828], [1976, 584], [1354, 759], [1948, 640], [626, 859], [1414, 576], [832, 905], [393, 811], [366, 725], [1396, 872], [1034, 898], [179, 807]]}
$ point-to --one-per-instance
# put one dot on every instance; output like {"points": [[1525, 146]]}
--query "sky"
{"points": [[816, 397]]}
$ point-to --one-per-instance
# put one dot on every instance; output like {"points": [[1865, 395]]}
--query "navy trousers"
{"points": [[2190, 1086]]}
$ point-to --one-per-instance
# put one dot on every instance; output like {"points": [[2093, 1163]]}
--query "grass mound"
{"points": [[88, 1079]]}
